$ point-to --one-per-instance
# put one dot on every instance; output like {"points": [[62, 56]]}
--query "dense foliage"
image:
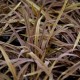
{"points": [[39, 40]]}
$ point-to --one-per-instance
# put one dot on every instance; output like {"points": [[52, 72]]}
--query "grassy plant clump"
{"points": [[39, 40]]}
